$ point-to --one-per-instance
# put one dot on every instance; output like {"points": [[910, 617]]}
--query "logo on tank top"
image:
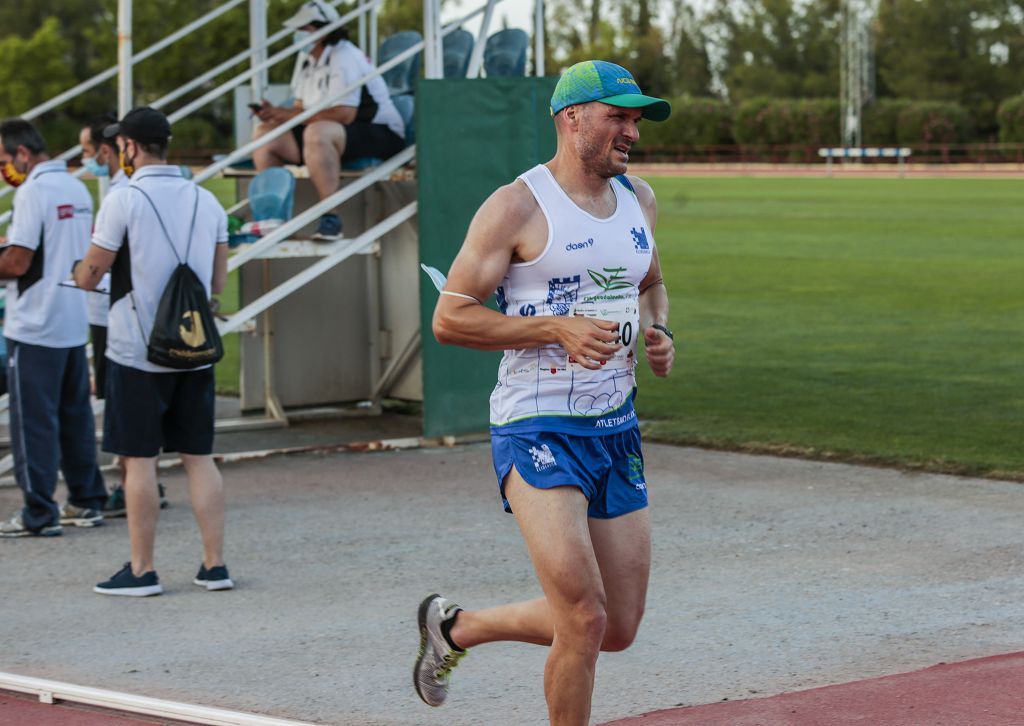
{"points": [[562, 293], [585, 245], [611, 279], [640, 243]]}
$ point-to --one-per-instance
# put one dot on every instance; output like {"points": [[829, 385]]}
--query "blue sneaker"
{"points": [[328, 229], [216, 578], [125, 583]]}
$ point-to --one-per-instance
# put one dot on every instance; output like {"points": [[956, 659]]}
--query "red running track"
{"points": [[980, 692]]}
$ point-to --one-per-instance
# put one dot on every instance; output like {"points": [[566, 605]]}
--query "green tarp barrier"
{"points": [[472, 136]]}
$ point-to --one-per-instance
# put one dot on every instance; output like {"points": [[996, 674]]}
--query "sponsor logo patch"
{"points": [[562, 293], [585, 245], [640, 243], [65, 211], [543, 458]]}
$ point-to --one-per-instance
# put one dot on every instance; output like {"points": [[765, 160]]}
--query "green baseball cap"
{"points": [[596, 80]]}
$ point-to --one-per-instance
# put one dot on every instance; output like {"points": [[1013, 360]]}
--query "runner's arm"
{"points": [[658, 347], [479, 268]]}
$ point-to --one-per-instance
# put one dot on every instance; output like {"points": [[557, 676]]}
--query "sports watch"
{"points": [[666, 331]]}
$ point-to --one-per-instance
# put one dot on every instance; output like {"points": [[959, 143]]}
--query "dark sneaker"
{"points": [[328, 229], [216, 578], [16, 528], [432, 672], [116, 506], [79, 516], [126, 584]]}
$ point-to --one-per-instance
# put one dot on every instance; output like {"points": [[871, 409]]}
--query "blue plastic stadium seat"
{"points": [[272, 194], [457, 46], [505, 53], [401, 78], [406, 108]]}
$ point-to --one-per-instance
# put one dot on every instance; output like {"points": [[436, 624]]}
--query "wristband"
{"points": [[666, 331]]}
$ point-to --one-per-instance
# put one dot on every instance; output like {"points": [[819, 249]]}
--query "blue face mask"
{"points": [[300, 35], [94, 167]]}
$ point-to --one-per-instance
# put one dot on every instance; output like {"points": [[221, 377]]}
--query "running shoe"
{"points": [[432, 673], [216, 578], [126, 584], [16, 528], [80, 516], [116, 506], [328, 228]]}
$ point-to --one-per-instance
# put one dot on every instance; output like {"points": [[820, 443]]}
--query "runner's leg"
{"points": [[554, 525], [623, 550]]}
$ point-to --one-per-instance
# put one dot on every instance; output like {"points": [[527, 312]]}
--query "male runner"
{"points": [[569, 248]]}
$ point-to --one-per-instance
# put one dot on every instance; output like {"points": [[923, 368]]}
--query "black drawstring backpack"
{"points": [[184, 332]]}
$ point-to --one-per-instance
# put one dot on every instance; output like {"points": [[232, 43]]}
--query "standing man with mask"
{"points": [[569, 247], [46, 329], [144, 231], [100, 158]]}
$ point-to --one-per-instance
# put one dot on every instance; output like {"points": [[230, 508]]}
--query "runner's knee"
{"points": [[585, 622], [620, 632]]}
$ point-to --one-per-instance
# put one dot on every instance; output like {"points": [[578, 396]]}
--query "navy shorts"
{"points": [[608, 469], [146, 412]]}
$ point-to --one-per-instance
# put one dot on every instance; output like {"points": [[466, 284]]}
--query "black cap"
{"points": [[145, 125]]}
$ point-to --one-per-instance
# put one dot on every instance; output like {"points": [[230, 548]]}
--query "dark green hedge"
{"points": [[933, 122], [810, 122], [694, 122], [1011, 120]]}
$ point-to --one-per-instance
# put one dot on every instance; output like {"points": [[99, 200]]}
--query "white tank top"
{"points": [[590, 267]]}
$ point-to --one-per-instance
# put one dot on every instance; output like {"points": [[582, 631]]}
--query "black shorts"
{"points": [[362, 139], [99, 358], [146, 412]]}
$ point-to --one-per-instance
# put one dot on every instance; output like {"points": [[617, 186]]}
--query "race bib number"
{"points": [[625, 312]]}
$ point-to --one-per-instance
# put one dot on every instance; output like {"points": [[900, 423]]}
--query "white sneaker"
{"points": [[436, 658]]}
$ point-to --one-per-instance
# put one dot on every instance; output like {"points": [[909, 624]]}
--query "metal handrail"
{"points": [[346, 250], [244, 151], [324, 205], [454, 25], [271, 61]]}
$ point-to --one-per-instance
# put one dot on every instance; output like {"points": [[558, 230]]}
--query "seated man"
{"points": [[364, 122]]}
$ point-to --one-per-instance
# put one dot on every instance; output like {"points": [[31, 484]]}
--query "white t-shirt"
{"points": [[52, 217], [144, 265], [98, 303], [338, 67]]}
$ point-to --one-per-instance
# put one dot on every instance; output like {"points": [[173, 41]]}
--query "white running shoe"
{"points": [[432, 672]]}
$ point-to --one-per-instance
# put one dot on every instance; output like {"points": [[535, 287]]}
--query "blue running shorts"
{"points": [[608, 469]]}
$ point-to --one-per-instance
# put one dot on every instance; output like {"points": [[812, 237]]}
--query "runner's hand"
{"points": [[660, 350], [589, 341]]}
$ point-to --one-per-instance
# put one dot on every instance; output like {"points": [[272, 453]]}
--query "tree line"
{"points": [[964, 53]]}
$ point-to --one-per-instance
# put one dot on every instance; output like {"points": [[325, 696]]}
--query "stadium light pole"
{"points": [[538, 38]]}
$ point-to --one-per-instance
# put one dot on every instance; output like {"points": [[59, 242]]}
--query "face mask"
{"points": [[11, 174], [126, 164], [298, 36], [94, 167]]}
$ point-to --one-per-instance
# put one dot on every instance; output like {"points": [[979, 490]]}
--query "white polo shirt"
{"points": [[53, 218], [339, 66], [144, 265], [98, 303]]}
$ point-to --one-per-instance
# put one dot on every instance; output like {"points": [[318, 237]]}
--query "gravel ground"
{"points": [[769, 575]]}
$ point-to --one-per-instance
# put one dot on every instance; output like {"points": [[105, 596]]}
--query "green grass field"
{"points": [[870, 320]]}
